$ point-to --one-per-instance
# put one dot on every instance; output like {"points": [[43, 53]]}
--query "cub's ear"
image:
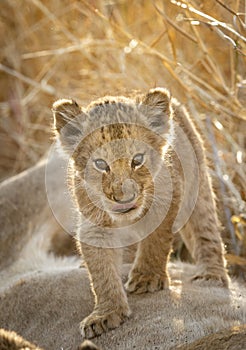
{"points": [[158, 110], [68, 117]]}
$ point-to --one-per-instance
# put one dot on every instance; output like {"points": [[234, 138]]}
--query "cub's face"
{"points": [[116, 147], [117, 165]]}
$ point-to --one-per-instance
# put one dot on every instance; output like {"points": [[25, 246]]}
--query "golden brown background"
{"points": [[85, 49]]}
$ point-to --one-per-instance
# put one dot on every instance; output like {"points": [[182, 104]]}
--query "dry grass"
{"points": [[84, 49]]}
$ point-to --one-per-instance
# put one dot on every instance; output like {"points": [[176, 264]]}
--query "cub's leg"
{"points": [[202, 237], [111, 305], [149, 271]]}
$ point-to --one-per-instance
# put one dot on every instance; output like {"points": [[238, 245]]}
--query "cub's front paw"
{"points": [[142, 283], [98, 322]]}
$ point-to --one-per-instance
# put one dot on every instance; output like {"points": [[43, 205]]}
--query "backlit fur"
{"points": [[114, 130]]}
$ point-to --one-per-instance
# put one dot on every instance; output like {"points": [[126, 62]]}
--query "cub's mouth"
{"points": [[124, 208]]}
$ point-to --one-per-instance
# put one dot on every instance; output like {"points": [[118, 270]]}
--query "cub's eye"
{"points": [[101, 165], [137, 160]]}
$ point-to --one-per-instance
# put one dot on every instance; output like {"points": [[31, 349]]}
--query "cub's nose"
{"points": [[125, 191]]}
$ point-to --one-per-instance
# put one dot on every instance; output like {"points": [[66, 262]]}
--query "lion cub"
{"points": [[138, 174]]}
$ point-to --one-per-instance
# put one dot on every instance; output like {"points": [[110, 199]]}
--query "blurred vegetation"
{"points": [[85, 49]]}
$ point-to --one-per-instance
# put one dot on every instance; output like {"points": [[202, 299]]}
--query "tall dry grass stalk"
{"points": [[85, 49]]}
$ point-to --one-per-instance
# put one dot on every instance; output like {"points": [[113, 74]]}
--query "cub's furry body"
{"points": [[127, 163]]}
